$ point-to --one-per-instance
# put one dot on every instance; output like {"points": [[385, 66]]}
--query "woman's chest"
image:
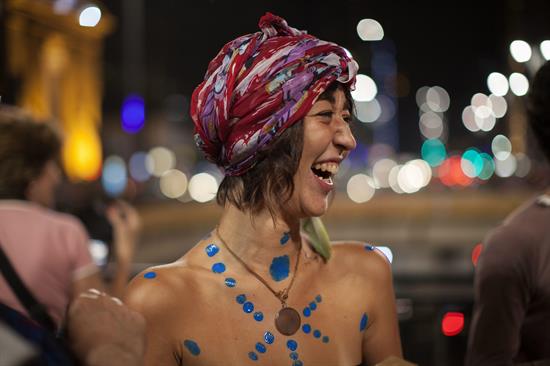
{"points": [[241, 325]]}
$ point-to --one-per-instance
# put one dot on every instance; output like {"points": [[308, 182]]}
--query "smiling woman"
{"points": [[273, 112]]}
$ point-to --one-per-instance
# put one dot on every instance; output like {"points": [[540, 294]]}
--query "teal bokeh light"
{"points": [[488, 166], [433, 152]]}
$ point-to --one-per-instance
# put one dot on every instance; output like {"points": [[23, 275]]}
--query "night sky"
{"points": [[453, 44]]}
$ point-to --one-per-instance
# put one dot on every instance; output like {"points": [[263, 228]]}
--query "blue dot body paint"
{"points": [[297, 363], [316, 333], [192, 347], [369, 247], [230, 282], [318, 298], [326, 339], [280, 268], [363, 323], [258, 316], [150, 275], [269, 338], [248, 307], [260, 347], [294, 356], [307, 312], [284, 239], [211, 250], [312, 305], [292, 345], [306, 328], [253, 356], [218, 267], [241, 299]]}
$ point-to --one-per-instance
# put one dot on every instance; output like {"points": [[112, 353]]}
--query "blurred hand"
{"points": [[126, 229], [102, 331]]}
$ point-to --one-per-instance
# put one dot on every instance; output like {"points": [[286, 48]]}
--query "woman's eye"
{"points": [[348, 119], [325, 114]]}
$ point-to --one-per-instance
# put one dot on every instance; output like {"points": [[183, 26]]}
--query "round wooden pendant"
{"points": [[287, 321]]}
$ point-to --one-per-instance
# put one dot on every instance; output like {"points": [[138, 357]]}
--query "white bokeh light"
{"points": [[501, 147], [499, 105], [393, 179], [158, 160], [203, 187], [520, 50], [519, 84], [360, 188], [438, 99], [507, 167], [365, 89], [368, 112], [410, 178], [381, 171], [89, 16], [173, 183], [370, 30], [497, 84], [468, 119], [545, 49], [431, 125]]}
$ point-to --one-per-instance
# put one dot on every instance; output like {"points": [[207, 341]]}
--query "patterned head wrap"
{"points": [[259, 85]]}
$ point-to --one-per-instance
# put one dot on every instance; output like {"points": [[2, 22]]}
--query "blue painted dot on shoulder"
{"points": [[306, 312], [218, 267], [192, 347], [248, 307], [258, 316], [230, 282], [317, 333], [306, 328], [241, 299], [363, 323], [293, 355], [260, 347], [211, 250], [292, 345], [318, 298], [253, 356], [326, 339], [150, 275]]}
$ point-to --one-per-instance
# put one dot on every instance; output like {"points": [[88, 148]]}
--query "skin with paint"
{"points": [[200, 312]]}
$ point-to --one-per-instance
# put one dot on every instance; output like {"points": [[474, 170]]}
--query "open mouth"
{"points": [[325, 171]]}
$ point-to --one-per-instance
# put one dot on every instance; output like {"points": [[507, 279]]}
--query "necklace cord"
{"points": [[281, 295]]}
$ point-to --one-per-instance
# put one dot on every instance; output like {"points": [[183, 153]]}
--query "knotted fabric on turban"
{"points": [[259, 85]]}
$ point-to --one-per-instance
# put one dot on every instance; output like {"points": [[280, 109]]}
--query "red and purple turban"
{"points": [[259, 85]]}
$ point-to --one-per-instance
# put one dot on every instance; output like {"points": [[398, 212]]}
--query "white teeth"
{"points": [[332, 168]]}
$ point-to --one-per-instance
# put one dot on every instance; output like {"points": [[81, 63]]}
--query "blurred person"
{"points": [[49, 250], [102, 332], [274, 112], [511, 319]]}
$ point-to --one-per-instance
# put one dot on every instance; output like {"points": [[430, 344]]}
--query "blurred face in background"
{"points": [[42, 189]]}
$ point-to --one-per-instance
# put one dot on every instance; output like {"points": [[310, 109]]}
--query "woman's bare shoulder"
{"points": [[366, 258]]}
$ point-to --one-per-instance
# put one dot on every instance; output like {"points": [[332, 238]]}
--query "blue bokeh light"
{"points": [[133, 113]]}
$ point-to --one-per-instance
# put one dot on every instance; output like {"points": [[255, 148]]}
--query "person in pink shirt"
{"points": [[48, 249]]}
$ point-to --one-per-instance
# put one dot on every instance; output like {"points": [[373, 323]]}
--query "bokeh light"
{"points": [[437, 99], [203, 187], [173, 183], [488, 167], [365, 89], [433, 152], [451, 174], [387, 252], [476, 252], [507, 167], [392, 179], [89, 16], [431, 125], [370, 30], [381, 172], [545, 49], [501, 147], [520, 51], [159, 160], [138, 168], [368, 112], [471, 163], [133, 114], [497, 84], [114, 178], [498, 105], [524, 165], [82, 154], [452, 323], [469, 119], [519, 84], [360, 188]]}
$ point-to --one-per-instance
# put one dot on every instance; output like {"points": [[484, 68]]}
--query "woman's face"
{"points": [[327, 141]]}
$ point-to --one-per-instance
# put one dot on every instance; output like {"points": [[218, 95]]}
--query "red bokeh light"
{"points": [[476, 252], [452, 323], [451, 174]]}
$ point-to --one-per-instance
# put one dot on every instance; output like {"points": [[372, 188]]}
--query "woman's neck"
{"points": [[258, 239]]}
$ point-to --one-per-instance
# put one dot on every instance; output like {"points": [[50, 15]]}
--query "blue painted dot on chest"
{"points": [[192, 347], [284, 238], [280, 268], [363, 323], [218, 267]]}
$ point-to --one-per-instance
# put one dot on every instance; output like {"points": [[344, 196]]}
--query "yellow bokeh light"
{"points": [[82, 154]]}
